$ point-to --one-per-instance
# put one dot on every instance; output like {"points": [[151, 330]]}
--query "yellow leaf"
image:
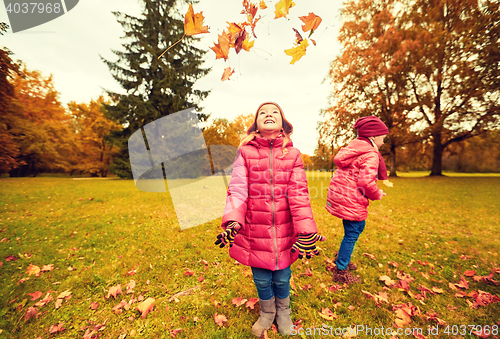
{"points": [[193, 23], [282, 7], [297, 52]]}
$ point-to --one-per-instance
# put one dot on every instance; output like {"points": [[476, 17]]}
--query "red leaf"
{"points": [[188, 272], [94, 305], [57, 328], [35, 295], [469, 273], [220, 319], [201, 278], [30, 313], [173, 333], [251, 303], [371, 256]]}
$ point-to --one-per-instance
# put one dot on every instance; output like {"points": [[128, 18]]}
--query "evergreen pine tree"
{"points": [[155, 87]]}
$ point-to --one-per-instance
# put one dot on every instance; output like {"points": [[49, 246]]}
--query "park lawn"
{"points": [[437, 239]]}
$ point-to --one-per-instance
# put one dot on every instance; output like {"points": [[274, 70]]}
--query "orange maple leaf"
{"points": [[193, 23], [30, 313], [45, 300], [222, 48], [146, 306], [233, 28], [251, 303], [297, 52], [32, 269], [311, 22], [327, 314], [262, 4], [220, 319], [282, 8]]}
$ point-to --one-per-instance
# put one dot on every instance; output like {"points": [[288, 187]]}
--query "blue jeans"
{"points": [[270, 283], [352, 230]]}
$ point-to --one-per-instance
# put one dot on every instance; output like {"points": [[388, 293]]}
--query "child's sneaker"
{"points": [[350, 266], [344, 277]]}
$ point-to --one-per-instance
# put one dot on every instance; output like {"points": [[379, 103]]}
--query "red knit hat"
{"points": [[370, 126]]}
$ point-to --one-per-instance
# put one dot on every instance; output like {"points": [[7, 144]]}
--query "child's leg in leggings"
{"points": [[352, 230]]}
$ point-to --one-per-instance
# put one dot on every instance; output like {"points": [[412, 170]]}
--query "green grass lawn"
{"points": [[427, 235]]}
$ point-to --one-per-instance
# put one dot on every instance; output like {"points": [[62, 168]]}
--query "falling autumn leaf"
{"points": [[35, 295], [193, 23], [220, 319], [227, 73], [146, 306], [262, 4], [221, 49], [311, 22], [298, 37], [298, 51], [282, 8]]}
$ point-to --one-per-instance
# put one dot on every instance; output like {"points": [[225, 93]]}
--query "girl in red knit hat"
{"points": [[268, 219], [355, 183]]}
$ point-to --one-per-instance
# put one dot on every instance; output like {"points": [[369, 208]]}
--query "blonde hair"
{"points": [[287, 130]]}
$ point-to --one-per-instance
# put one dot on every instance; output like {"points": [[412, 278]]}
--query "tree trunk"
{"points": [[437, 156], [393, 161]]}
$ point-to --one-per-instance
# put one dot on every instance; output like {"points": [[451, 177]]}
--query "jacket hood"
{"points": [[259, 141], [348, 154]]}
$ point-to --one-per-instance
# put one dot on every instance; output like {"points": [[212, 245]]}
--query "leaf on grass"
{"points": [[201, 278], [130, 287], [463, 284], [239, 301], [189, 272], [58, 303], [282, 8], [437, 290], [56, 328], [371, 256], [30, 313], [193, 23], [114, 291], [297, 52], [46, 300], [220, 319], [251, 303], [35, 295], [11, 258], [64, 295], [327, 314], [469, 273], [311, 22], [146, 306], [306, 287], [47, 268], [94, 305], [227, 73], [387, 280], [432, 315], [33, 270], [118, 308], [173, 333]]}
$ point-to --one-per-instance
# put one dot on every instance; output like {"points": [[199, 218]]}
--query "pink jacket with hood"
{"points": [[269, 198], [354, 182]]}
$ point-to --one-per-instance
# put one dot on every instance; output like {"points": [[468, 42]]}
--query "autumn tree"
{"points": [[428, 69], [155, 87], [367, 79], [40, 127], [9, 151], [95, 152]]}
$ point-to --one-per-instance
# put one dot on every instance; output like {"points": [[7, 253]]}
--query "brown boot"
{"points": [[283, 318], [267, 314], [350, 266], [344, 277]]}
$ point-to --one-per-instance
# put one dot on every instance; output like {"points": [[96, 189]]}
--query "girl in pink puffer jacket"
{"points": [[268, 219], [353, 185]]}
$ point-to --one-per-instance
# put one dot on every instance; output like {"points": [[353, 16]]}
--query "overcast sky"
{"points": [[68, 47]]}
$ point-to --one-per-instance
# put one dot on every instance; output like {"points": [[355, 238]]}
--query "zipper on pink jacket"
{"points": [[272, 204]]}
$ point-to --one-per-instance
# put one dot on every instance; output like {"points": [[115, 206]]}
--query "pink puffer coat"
{"points": [[354, 182], [268, 197]]}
